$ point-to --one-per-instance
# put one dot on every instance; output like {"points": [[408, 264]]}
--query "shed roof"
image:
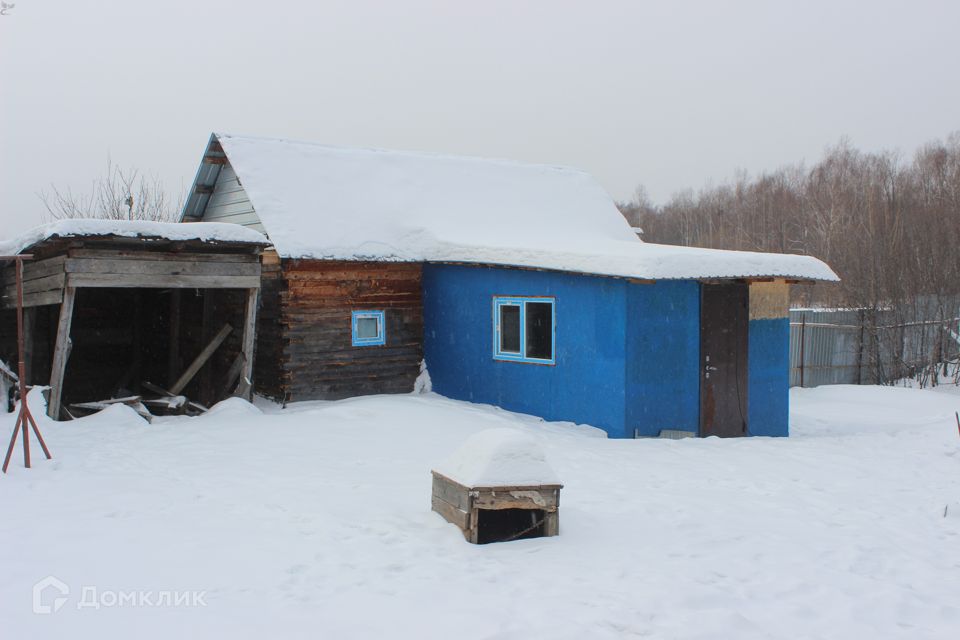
{"points": [[205, 232], [326, 202]]}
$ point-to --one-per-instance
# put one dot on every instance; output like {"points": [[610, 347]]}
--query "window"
{"points": [[368, 329], [523, 329]]}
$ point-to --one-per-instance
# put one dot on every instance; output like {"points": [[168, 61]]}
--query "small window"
{"points": [[368, 329], [524, 329]]}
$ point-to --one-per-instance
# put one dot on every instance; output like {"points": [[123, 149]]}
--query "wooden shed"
{"points": [[114, 307]]}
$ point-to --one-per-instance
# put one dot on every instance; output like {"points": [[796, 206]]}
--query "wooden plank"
{"points": [[162, 267], [111, 280], [41, 299], [200, 360], [249, 337], [61, 353], [450, 513], [176, 256], [34, 270], [149, 386], [451, 492], [233, 374], [47, 283]]}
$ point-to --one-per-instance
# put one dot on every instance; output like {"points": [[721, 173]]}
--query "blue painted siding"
{"points": [[663, 355], [769, 379], [587, 383], [627, 355]]}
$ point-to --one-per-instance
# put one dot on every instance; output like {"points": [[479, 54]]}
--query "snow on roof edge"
{"points": [[174, 231], [661, 262]]}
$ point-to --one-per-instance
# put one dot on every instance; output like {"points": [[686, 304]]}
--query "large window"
{"points": [[368, 329], [523, 329]]}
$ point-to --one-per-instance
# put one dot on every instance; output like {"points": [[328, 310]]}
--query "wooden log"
{"points": [[249, 337], [200, 360], [61, 353]]}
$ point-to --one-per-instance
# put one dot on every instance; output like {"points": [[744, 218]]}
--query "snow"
{"points": [[203, 231], [325, 202], [499, 457], [315, 521]]}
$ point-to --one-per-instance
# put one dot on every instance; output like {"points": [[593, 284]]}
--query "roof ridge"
{"points": [[438, 155]]}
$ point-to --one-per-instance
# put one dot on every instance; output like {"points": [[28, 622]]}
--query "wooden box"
{"points": [[498, 513]]}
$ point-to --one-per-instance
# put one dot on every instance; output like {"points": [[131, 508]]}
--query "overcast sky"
{"points": [[665, 94]]}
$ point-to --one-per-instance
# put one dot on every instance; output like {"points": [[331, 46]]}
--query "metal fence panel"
{"points": [[849, 347]]}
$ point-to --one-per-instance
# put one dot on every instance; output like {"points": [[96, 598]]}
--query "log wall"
{"points": [[315, 301]]}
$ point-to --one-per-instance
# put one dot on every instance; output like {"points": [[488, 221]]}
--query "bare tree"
{"points": [[121, 194], [889, 227]]}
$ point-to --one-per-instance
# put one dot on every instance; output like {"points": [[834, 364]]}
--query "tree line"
{"points": [[888, 225]]}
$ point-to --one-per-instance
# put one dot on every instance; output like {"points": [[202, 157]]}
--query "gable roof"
{"points": [[325, 202]]}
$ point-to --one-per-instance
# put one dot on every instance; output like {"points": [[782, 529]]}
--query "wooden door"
{"points": [[723, 359]]}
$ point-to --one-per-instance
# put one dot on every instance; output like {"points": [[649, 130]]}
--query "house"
{"points": [[519, 285], [111, 305]]}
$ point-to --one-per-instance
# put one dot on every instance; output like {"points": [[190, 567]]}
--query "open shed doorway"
{"points": [[124, 339]]}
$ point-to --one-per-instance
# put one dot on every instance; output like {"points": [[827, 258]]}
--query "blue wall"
{"points": [[587, 383], [663, 352], [769, 378], [627, 354]]}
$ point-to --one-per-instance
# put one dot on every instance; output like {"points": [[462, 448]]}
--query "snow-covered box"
{"points": [[498, 487]]}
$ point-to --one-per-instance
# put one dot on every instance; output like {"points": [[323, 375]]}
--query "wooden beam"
{"points": [[29, 317], [233, 374], [140, 255], [184, 267], [173, 349], [134, 280], [200, 360], [215, 160], [61, 353], [249, 337]]}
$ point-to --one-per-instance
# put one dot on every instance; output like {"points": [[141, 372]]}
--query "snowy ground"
{"points": [[315, 522]]}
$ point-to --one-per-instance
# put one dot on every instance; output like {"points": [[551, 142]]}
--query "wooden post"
{"points": [[29, 315], [61, 353], [803, 346], [173, 350], [249, 340], [206, 328]]}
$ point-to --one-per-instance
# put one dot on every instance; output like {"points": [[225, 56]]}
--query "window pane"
{"points": [[540, 330], [509, 328], [367, 328]]}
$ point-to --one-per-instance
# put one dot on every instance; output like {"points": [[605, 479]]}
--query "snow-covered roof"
{"points": [[326, 202], [499, 457], [219, 232]]}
